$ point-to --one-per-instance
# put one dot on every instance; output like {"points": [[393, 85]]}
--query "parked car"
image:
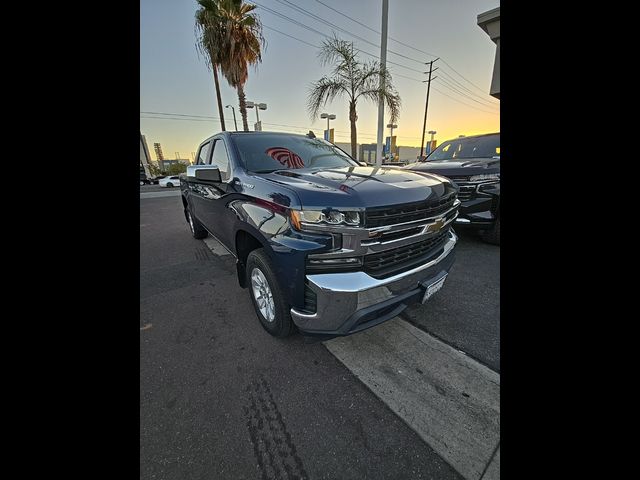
{"points": [[473, 164], [170, 181], [321, 242]]}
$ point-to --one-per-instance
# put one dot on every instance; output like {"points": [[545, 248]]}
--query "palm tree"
{"points": [[211, 42], [354, 79], [243, 42]]}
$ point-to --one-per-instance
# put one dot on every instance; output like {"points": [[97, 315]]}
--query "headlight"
{"points": [[299, 218], [484, 178]]}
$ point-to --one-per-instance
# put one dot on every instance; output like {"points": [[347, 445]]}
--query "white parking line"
{"points": [[447, 398]]}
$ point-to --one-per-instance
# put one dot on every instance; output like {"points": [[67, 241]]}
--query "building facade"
{"points": [[490, 23]]}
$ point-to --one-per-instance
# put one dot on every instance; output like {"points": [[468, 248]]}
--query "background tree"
{"points": [[244, 43], [211, 42], [353, 79], [176, 168]]}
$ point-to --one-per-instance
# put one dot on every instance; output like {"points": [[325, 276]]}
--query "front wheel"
{"points": [[493, 234], [268, 300], [169, 184]]}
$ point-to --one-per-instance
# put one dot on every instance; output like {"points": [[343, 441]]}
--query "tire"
{"points": [[277, 321], [493, 234], [197, 230], [141, 183], [169, 184]]}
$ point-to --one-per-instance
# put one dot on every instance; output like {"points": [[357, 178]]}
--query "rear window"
{"points": [[266, 153]]}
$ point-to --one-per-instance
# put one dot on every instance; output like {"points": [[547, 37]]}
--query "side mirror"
{"points": [[203, 173]]}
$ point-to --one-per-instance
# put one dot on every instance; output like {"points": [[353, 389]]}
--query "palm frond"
{"points": [[324, 90]]}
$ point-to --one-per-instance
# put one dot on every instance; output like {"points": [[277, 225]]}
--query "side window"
{"points": [[221, 159], [203, 155]]}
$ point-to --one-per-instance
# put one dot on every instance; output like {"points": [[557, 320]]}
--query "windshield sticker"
{"points": [[285, 157]]}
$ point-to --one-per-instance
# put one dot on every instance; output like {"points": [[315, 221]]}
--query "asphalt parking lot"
{"points": [[219, 398]]}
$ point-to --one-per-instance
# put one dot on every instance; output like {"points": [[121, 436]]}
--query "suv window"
{"points": [[203, 155], [221, 159]]}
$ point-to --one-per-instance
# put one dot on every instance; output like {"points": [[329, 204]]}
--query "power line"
{"points": [[484, 97], [333, 25], [464, 103], [402, 43], [208, 118], [311, 29], [395, 74], [453, 88]]}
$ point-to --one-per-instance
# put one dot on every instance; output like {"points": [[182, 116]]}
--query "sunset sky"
{"points": [[174, 80]]}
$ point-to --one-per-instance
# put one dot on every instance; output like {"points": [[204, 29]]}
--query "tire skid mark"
{"points": [[272, 443]]}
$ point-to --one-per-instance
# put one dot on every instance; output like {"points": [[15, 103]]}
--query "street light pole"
{"points": [[258, 106], [234, 115], [328, 116], [391, 126]]}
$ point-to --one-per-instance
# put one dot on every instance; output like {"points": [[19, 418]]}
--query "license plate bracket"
{"points": [[433, 287]]}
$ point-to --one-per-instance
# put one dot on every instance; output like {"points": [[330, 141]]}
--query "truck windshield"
{"points": [[472, 147], [264, 153]]}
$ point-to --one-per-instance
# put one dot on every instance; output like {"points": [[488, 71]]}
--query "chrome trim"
{"points": [[340, 295], [358, 281], [463, 220], [423, 232]]}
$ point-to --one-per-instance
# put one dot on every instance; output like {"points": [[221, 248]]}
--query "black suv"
{"points": [[473, 164]]}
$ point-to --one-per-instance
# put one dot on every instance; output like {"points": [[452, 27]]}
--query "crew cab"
{"points": [[473, 164], [322, 243]]}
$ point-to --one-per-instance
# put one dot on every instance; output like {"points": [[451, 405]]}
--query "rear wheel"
{"points": [[493, 234], [169, 184], [197, 230], [268, 300]]}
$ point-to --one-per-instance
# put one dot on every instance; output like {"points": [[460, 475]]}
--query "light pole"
{"points": [[234, 115], [328, 116], [259, 106], [432, 133], [391, 126]]}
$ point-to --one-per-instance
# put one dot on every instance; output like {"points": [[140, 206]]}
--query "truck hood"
{"points": [[465, 166], [360, 187]]}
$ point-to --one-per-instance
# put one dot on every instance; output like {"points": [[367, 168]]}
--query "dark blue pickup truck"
{"points": [[321, 242]]}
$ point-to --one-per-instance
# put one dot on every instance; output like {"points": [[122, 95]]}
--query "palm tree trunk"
{"points": [[242, 102], [215, 79], [354, 136]]}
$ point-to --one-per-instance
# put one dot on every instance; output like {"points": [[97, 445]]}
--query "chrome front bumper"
{"points": [[352, 301]]}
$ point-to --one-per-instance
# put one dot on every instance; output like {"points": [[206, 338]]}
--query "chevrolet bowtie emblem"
{"points": [[436, 226]]}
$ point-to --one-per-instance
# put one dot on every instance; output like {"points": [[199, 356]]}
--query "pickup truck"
{"points": [[473, 164], [322, 243]]}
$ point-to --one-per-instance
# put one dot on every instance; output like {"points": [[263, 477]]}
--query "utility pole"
{"points": [[426, 107], [383, 65]]}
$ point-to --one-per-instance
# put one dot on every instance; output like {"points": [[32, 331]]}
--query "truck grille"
{"points": [[390, 262], [466, 189], [382, 216]]}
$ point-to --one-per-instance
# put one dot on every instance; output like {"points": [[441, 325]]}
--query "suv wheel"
{"points": [[197, 230], [268, 300], [493, 234]]}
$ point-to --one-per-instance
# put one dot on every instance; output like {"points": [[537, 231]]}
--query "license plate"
{"points": [[433, 288]]}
